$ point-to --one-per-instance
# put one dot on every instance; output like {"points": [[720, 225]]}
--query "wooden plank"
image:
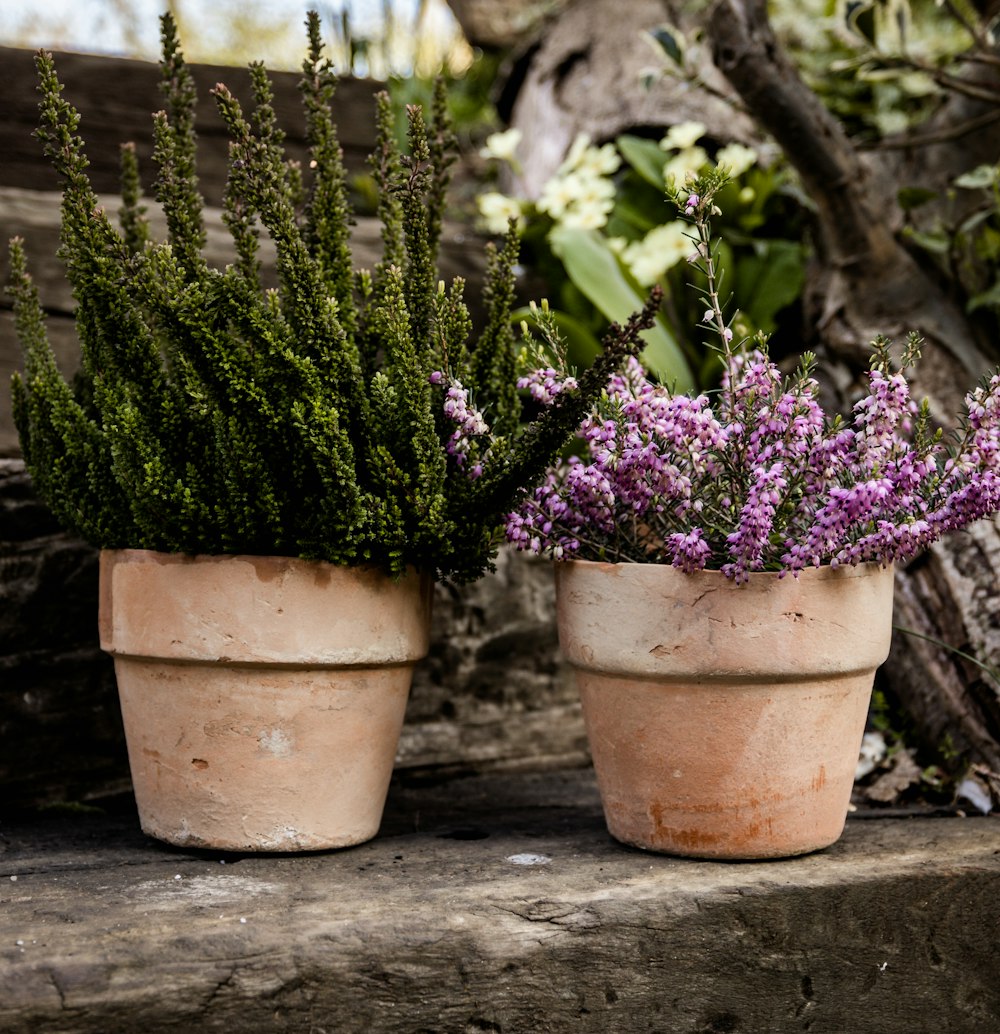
{"points": [[497, 905], [117, 97]]}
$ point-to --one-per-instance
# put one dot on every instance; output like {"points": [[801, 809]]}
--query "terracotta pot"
{"points": [[724, 721], [262, 697]]}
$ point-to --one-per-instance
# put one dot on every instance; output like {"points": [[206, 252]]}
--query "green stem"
{"points": [[992, 672]]}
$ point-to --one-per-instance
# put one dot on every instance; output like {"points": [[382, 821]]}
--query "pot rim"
{"points": [[127, 554], [811, 572], [260, 610]]}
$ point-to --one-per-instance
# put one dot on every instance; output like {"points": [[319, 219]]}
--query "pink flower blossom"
{"points": [[757, 477]]}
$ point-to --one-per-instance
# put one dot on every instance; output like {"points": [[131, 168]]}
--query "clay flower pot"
{"points": [[262, 697], [724, 720]]}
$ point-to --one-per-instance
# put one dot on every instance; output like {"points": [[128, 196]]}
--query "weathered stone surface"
{"points": [[494, 690], [60, 730], [443, 925]]}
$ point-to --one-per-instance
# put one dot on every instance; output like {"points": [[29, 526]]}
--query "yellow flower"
{"points": [[502, 146], [662, 248], [688, 161], [587, 213], [574, 154]]}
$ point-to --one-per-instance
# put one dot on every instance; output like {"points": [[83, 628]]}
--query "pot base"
{"points": [[725, 770], [258, 759]]}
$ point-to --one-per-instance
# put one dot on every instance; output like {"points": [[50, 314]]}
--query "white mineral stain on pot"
{"points": [[529, 859], [276, 742]]}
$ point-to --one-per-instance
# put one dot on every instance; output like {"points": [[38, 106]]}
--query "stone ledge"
{"points": [[439, 926]]}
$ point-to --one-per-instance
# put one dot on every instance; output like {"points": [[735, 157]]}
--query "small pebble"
{"points": [[243, 919], [13, 879]]}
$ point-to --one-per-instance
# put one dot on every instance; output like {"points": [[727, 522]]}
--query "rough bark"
{"points": [[866, 281], [587, 77], [503, 23]]}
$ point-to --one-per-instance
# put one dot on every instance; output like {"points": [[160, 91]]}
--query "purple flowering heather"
{"points": [[471, 423], [755, 476]]}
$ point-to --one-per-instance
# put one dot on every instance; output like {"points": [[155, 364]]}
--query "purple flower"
{"points": [[756, 476], [471, 425]]}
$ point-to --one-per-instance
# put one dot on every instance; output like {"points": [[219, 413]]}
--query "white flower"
{"points": [[561, 191], [602, 161], [497, 209], [502, 146], [580, 198], [688, 161], [574, 154], [682, 136], [582, 157], [591, 187], [736, 158], [662, 248], [557, 195], [587, 214]]}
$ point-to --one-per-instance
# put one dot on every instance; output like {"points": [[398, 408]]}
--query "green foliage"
{"points": [[602, 233], [596, 270], [214, 416], [884, 67]]}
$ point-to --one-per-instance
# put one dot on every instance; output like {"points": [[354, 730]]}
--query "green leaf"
{"points": [[645, 156], [982, 176], [936, 243], [989, 297], [977, 219], [910, 198], [596, 271], [669, 42], [769, 280]]}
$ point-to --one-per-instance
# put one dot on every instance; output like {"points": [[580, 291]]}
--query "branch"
{"points": [[746, 51], [945, 135]]}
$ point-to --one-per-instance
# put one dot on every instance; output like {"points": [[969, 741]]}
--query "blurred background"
{"points": [[377, 38]]}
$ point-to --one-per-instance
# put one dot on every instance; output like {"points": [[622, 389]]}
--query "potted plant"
{"points": [[724, 584], [275, 475]]}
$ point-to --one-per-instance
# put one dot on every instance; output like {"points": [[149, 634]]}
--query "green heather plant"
{"points": [[316, 419]]}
